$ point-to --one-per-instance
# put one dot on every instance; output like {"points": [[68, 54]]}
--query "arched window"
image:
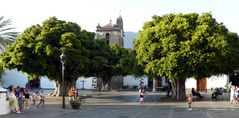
{"points": [[107, 36]]}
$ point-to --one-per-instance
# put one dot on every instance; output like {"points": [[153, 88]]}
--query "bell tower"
{"points": [[113, 33]]}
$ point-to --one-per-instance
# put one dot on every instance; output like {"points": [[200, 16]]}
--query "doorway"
{"points": [[202, 84]]}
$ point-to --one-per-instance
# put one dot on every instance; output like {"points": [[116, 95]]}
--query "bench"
{"points": [[217, 92], [197, 94], [160, 88]]}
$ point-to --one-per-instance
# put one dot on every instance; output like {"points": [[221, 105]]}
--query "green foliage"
{"points": [[75, 102], [186, 45], [33, 77], [37, 50], [130, 64], [105, 60]]}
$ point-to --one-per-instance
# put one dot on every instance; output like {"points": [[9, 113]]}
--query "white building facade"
{"points": [[17, 78]]}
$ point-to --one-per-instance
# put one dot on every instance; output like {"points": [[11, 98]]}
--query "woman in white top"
{"points": [[232, 94], [13, 102]]}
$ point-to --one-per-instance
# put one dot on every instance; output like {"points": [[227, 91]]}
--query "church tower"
{"points": [[113, 33]]}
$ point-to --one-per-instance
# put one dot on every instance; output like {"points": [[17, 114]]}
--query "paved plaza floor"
{"points": [[125, 105]]}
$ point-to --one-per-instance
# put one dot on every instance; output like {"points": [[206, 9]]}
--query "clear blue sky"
{"points": [[88, 13]]}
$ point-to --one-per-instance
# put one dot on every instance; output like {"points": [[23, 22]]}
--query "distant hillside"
{"points": [[128, 39]]}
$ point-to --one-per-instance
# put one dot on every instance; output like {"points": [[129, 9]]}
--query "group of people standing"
{"points": [[19, 99]]}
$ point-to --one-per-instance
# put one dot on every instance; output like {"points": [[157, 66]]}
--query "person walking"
{"points": [[34, 99], [27, 98], [232, 94], [42, 99], [190, 101], [141, 95], [169, 89], [13, 103], [229, 86], [21, 99], [237, 93]]}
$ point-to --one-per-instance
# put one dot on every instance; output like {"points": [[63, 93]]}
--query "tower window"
{"points": [[107, 36]]}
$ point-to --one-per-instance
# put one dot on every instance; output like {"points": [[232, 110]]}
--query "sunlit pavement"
{"points": [[125, 105]]}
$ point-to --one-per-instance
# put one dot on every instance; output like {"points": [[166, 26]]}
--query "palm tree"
{"points": [[6, 37], [1, 73]]}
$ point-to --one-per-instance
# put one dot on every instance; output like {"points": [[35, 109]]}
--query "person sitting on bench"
{"points": [[195, 93], [217, 92]]}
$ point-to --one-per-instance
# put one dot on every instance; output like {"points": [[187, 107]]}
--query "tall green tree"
{"points": [[130, 64], [105, 62], [37, 50], [179, 46]]}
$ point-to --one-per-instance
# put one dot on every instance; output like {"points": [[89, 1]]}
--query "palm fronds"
{"points": [[6, 37]]}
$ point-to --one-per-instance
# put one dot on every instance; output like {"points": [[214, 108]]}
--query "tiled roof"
{"points": [[108, 27]]}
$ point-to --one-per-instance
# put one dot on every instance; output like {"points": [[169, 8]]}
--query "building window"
{"points": [[107, 36]]}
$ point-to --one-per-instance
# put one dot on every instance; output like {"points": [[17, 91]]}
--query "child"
{"points": [[141, 95], [189, 100], [34, 99], [42, 99]]}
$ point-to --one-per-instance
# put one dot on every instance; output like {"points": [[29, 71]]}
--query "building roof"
{"points": [[108, 27]]}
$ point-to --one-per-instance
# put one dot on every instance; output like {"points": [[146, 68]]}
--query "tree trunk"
{"points": [[56, 88], [155, 84], [59, 93], [178, 88], [106, 84]]}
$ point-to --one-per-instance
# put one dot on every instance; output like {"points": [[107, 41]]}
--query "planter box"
{"points": [[75, 106]]}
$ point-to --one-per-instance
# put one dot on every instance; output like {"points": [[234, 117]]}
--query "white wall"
{"points": [[217, 81], [46, 83], [17, 78], [191, 83], [87, 83], [14, 78], [132, 81], [212, 82], [3, 102]]}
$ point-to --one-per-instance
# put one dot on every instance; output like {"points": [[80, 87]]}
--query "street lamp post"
{"points": [[62, 57]]}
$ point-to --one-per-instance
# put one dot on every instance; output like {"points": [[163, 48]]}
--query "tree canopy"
{"points": [[106, 61], [179, 46], [37, 50], [130, 64]]}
